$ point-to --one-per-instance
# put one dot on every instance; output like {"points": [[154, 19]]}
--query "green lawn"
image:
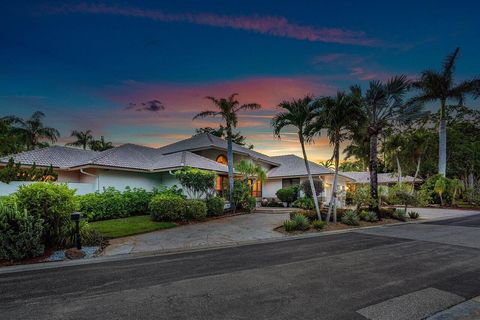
{"points": [[123, 227]]}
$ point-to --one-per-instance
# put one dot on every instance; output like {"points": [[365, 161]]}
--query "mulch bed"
{"points": [[339, 226]]}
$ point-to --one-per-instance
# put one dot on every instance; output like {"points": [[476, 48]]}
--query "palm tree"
{"points": [[227, 108], [440, 86], [383, 105], [338, 115], [251, 172], [33, 130], [457, 186], [394, 146], [327, 163], [358, 148], [440, 187], [298, 113], [83, 139], [100, 145]]}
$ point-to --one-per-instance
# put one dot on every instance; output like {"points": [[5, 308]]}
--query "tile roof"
{"points": [[207, 140], [364, 177], [57, 156], [126, 156], [294, 166]]}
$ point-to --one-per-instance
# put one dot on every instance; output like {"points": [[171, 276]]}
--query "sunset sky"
{"points": [[82, 63]]}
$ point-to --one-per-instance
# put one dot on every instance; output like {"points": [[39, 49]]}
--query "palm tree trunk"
{"points": [[333, 202], [230, 164], [373, 167], [399, 169], [416, 173], [312, 185], [442, 142]]}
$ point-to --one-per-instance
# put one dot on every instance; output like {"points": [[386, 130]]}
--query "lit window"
{"points": [[222, 159]]}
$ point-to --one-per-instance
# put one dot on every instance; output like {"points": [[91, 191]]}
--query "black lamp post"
{"points": [[76, 218]]}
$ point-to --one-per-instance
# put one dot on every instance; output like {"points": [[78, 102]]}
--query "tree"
{"points": [[338, 115], [440, 86], [327, 164], [100, 145], [227, 109], [237, 137], [10, 141], [298, 114], [440, 187], [393, 146], [197, 183], [83, 139], [383, 105], [33, 131], [457, 186], [251, 171], [359, 148]]}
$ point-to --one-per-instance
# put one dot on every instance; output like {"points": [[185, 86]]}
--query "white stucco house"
{"points": [[139, 166]]}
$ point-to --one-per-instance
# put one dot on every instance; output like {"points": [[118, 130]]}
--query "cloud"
{"points": [[152, 105], [269, 25]]}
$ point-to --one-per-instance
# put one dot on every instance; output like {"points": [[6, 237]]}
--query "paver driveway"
{"points": [[256, 226]]}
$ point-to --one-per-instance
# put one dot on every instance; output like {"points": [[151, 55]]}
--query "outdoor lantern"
{"points": [[76, 218]]}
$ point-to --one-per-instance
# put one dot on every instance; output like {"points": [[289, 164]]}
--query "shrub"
{"points": [[109, 204], [429, 193], [386, 212], [350, 218], [397, 193], [400, 214], [249, 203], [195, 209], [288, 195], [165, 207], [307, 190], [215, 206], [311, 215], [136, 200], [340, 213], [289, 225], [241, 190], [89, 236], [53, 203], [304, 203], [173, 191], [370, 216], [413, 214], [274, 204], [20, 233], [197, 182], [317, 224], [302, 222]]}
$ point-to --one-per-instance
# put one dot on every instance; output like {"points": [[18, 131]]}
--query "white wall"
{"points": [[121, 179], [270, 187], [81, 188]]}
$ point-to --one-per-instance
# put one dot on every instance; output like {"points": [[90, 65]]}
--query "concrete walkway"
{"points": [[242, 228], [231, 230]]}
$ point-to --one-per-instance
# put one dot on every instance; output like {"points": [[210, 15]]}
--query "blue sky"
{"points": [[82, 63]]}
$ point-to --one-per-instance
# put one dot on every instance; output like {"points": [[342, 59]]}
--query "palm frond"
{"points": [[207, 113]]}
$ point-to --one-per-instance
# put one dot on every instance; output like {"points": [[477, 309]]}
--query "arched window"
{"points": [[222, 159]]}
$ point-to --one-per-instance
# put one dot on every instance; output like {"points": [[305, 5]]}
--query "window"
{"points": [[221, 185], [222, 159], [256, 188], [286, 183]]}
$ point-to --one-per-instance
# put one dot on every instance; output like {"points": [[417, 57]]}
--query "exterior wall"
{"points": [[81, 188], [212, 154], [121, 179], [270, 187]]}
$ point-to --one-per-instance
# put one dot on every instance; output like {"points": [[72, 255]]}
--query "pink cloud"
{"points": [[274, 26]]}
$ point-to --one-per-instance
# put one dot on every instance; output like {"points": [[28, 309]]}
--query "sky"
{"points": [[96, 65]]}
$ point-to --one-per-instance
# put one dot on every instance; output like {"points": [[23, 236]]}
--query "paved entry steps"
{"points": [[273, 210]]}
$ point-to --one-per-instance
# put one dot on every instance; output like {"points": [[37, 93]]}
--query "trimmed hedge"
{"points": [[215, 206], [53, 203], [166, 207], [20, 234], [195, 209]]}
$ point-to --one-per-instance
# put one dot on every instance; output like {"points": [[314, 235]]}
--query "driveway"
{"points": [[354, 275], [214, 233], [228, 231]]}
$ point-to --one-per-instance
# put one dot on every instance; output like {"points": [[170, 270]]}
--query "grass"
{"points": [[123, 227]]}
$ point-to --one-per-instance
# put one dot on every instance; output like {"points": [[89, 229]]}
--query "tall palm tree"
{"points": [[383, 105], [393, 146], [298, 113], [100, 145], [227, 108], [440, 86], [34, 131], [338, 115], [83, 139]]}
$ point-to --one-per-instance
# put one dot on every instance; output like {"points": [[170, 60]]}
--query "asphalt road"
{"points": [[328, 277]]}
